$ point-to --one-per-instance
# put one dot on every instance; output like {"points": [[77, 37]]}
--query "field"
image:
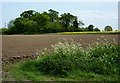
{"points": [[67, 61], [21, 45]]}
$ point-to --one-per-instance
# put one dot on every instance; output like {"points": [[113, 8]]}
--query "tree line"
{"points": [[32, 22]]}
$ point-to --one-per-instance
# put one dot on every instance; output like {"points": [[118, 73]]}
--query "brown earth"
{"points": [[25, 46]]}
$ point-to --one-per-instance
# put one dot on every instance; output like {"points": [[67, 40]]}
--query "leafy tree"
{"points": [[42, 20], [108, 28], [11, 24], [30, 27], [3, 31], [81, 23], [90, 27], [75, 23], [53, 27], [53, 15], [28, 14], [20, 25], [34, 22], [67, 20], [96, 29], [45, 13]]}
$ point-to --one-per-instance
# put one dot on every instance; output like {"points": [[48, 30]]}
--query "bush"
{"points": [[102, 58], [62, 59], [3, 30]]}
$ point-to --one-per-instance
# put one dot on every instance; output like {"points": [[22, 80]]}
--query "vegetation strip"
{"points": [[33, 22], [68, 61]]}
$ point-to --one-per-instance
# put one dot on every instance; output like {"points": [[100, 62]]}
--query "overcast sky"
{"points": [[97, 13]]}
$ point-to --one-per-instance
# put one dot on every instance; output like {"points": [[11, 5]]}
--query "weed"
{"points": [[67, 58]]}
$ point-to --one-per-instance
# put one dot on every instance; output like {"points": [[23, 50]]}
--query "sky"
{"points": [[100, 14]]}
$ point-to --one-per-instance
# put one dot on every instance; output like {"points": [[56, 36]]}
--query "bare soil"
{"points": [[25, 46]]}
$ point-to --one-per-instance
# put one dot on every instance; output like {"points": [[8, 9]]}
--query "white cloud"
{"points": [[60, 0]]}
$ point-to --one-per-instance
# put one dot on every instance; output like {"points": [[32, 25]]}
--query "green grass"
{"points": [[67, 61], [76, 75], [91, 76], [20, 75]]}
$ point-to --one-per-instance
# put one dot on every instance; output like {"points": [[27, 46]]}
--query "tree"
{"points": [[22, 25], [53, 15], [11, 24], [30, 27], [19, 25], [34, 22], [67, 20], [45, 13], [28, 14], [108, 28], [96, 29], [3, 31], [75, 23], [53, 27], [81, 23], [42, 21], [90, 27]]}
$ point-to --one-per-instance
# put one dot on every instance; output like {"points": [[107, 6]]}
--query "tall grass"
{"points": [[102, 58]]}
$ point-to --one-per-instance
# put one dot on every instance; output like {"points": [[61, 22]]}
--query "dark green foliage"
{"points": [[75, 23], [32, 22], [19, 25], [108, 28], [53, 27], [90, 27], [22, 25], [30, 27], [69, 22], [11, 24], [3, 31], [96, 29], [42, 21], [80, 29], [53, 15], [28, 14], [66, 19]]}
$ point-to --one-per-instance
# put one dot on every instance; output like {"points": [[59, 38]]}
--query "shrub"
{"points": [[3, 30], [103, 58], [63, 59]]}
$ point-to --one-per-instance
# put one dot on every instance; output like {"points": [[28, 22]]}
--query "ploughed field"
{"points": [[20, 47]]}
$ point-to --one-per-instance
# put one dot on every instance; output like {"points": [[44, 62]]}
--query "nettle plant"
{"points": [[101, 58], [63, 58], [104, 57]]}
